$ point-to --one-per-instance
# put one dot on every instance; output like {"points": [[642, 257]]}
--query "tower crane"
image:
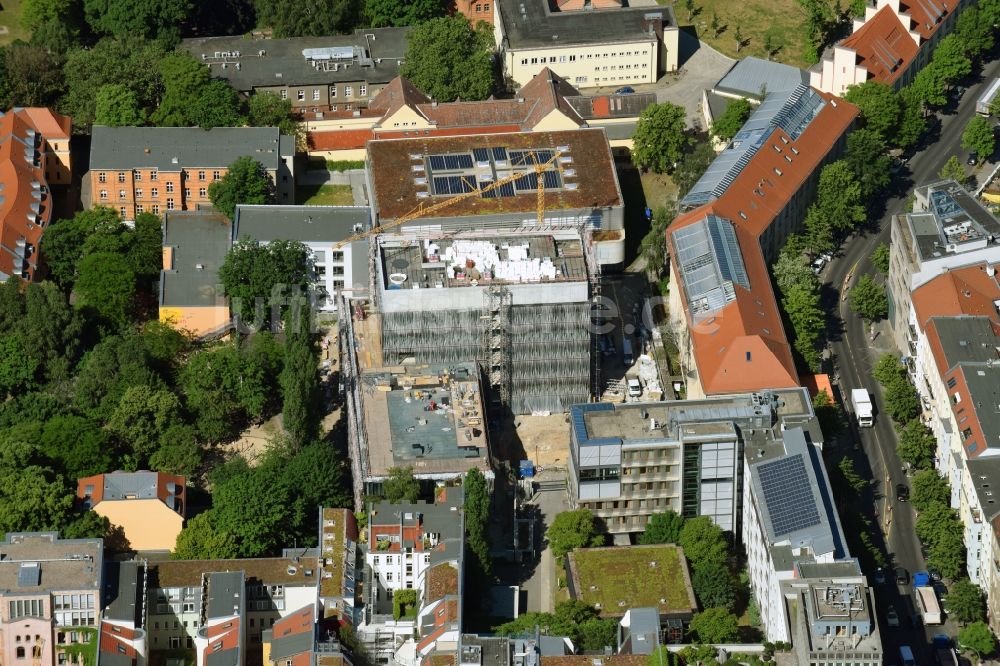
{"points": [[421, 211]]}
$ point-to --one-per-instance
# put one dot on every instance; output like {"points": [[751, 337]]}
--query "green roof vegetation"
{"points": [[637, 575]]}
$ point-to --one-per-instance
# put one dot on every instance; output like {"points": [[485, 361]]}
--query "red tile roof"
{"points": [[883, 45], [395, 95], [963, 291], [339, 139], [926, 16], [97, 483], [299, 622]]}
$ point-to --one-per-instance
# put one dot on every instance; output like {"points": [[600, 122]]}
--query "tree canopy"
{"points": [[400, 486], [385, 13], [704, 543], [660, 137], [663, 527], [246, 182], [146, 18], [927, 488], [977, 637], [979, 137], [729, 123], [917, 444], [308, 18], [448, 59], [868, 299], [965, 602], [255, 272], [573, 529], [879, 104], [714, 625]]}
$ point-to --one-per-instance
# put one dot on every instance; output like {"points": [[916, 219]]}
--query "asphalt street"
{"points": [[855, 354]]}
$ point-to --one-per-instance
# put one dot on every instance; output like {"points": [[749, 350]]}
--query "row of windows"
{"points": [[72, 601], [572, 58], [300, 94], [605, 68], [663, 502], [485, 7], [102, 176]]}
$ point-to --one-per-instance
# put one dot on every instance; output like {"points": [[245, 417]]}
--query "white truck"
{"points": [[985, 101], [927, 604], [861, 401]]}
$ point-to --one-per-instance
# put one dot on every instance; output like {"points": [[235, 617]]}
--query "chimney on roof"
{"points": [[146, 150], [520, 100]]}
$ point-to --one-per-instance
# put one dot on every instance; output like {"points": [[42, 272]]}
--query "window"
{"points": [[362, 90], [152, 175], [552, 58], [170, 204], [534, 61], [187, 192], [104, 194], [139, 209], [215, 175], [137, 176], [201, 175], [284, 94], [202, 192], [333, 91], [562, 58], [336, 256], [121, 176], [138, 193], [952, 382], [572, 58], [315, 94], [156, 209], [479, 8], [967, 433], [102, 177], [300, 95], [524, 61], [486, 6], [122, 211], [20, 652], [121, 195], [154, 192], [170, 187], [348, 91]]}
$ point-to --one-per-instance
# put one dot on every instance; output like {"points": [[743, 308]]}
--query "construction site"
{"points": [[463, 282]]}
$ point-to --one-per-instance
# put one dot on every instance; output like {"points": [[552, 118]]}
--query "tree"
{"points": [[247, 504], [184, 81], [299, 378], [879, 104], [141, 419], [108, 370], [33, 76], [975, 34], [977, 637], [78, 444], [48, 18], [714, 625], [33, 496], [839, 196], [716, 25], [573, 529], [266, 109], [738, 38], [828, 412], [663, 527], [715, 588], [936, 520], [223, 390], [965, 602], [868, 299], [178, 452], [146, 18], [978, 137], [928, 488], [729, 123], [218, 105], [311, 476], [400, 486], [692, 166], [202, 540], [107, 287], [851, 476], [901, 400], [145, 248], [947, 554], [929, 86], [386, 13], [477, 516], [303, 18], [953, 170], [868, 158], [255, 272], [596, 634], [912, 121], [704, 543], [949, 59], [800, 299], [917, 445], [247, 182], [660, 138], [880, 258], [653, 246], [117, 106], [448, 59], [63, 244]]}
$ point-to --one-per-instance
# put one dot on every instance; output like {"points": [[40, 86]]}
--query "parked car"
{"points": [[625, 90], [902, 492], [880, 576], [934, 574], [818, 264], [892, 617], [973, 159], [902, 576]]}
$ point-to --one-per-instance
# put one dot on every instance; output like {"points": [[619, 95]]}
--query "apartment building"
{"points": [[148, 506], [300, 640], [474, 10], [160, 169], [323, 77], [788, 518], [414, 547], [546, 102], [603, 45], [341, 569], [191, 297], [34, 155], [185, 611], [337, 269], [123, 639], [51, 598], [947, 229]]}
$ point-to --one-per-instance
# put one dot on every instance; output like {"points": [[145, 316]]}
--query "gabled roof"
{"points": [[293, 635], [548, 91], [926, 16], [398, 93], [956, 340], [125, 486], [970, 290], [883, 45]]}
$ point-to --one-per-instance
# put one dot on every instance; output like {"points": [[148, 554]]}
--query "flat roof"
{"points": [[619, 578], [262, 570], [225, 589], [370, 54], [411, 173], [755, 78], [200, 241], [301, 223], [33, 562], [171, 149], [450, 262], [533, 23], [334, 534], [126, 582], [953, 222], [984, 475], [427, 417]]}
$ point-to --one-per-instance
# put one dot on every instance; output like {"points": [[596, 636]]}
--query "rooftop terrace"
{"points": [[948, 220], [428, 417], [619, 578], [450, 262]]}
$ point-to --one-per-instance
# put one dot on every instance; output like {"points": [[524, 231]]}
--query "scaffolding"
{"points": [[496, 339]]}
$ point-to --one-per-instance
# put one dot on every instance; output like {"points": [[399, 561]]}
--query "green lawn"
{"points": [[324, 195], [610, 576], [10, 17], [784, 20]]}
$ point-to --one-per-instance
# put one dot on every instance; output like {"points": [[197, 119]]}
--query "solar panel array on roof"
{"points": [[454, 184], [709, 259], [450, 162], [461, 173], [788, 494], [481, 154]]}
